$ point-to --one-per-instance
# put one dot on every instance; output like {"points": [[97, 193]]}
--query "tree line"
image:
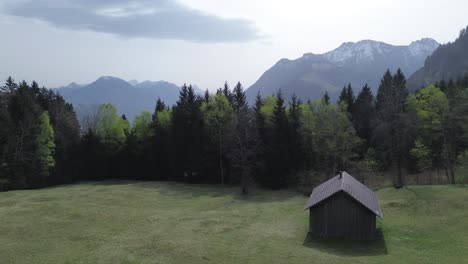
{"points": [[219, 138]]}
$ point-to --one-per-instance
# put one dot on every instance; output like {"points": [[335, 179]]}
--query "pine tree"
{"points": [[364, 113], [227, 92], [187, 125], [350, 99], [244, 140], [295, 149], [260, 128], [393, 132], [22, 144], [160, 105], [383, 94], [347, 97], [259, 118], [10, 85], [343, 95], [278, 158], [206, 96], [162, 150], [326, 98], [239, 100]]}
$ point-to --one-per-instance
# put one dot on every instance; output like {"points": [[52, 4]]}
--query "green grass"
{"points": [[128, 222]]}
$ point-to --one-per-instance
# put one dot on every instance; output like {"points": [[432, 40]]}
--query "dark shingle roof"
{"points": [[349, 185]]}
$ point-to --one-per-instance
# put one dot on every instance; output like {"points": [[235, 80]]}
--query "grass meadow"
{"points": [[154, 222]]}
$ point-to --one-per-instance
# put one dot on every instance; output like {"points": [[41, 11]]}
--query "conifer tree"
{"points": [[162, 145], [10, 85], [206, 96], [343, 95], [244, 141], [295, 146], [188, 134], [259, 118], [278, 156], [364, 113], [347, 97], [217, 115], [393, 132], [227, 92], [326, 98]]}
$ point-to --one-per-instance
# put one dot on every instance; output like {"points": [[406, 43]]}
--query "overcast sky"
{"points": [[204, 42]]}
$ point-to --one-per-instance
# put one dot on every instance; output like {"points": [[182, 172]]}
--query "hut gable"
{"points": [[349, 185]]}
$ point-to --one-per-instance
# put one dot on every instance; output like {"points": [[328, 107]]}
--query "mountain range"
{"points": [[423, 62], [130, 98], [357, 63], [449, 61]]}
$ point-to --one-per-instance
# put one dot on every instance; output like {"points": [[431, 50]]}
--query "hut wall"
{"points": [[342, 216]]}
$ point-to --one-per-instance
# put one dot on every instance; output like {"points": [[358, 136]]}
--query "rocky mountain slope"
{"points": [[358, 63], [448, 61]]}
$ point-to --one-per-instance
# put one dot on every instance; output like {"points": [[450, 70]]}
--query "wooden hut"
{"points": [[343, 207]]}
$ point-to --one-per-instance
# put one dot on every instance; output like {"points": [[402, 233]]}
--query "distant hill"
{"points": [[129, 99], [358, 63], [448, 61]]}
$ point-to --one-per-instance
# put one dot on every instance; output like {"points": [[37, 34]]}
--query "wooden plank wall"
{"points": [[342, 216]]}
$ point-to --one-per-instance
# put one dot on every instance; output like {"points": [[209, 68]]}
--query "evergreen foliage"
{"points": [[219, 138]]}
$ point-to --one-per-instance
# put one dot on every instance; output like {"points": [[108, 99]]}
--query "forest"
{"points": [[218, 138]]}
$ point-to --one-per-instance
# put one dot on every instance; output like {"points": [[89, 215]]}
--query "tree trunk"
{"points": [[451, 177], [399, 180], [245, 185], [452, 174], [221, 161]]}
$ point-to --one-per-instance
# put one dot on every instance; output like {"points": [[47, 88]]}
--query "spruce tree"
{"points": [[326, 98], [22, 143], [278, 158], [343, 95], [188, 134], [239, 98], [347, 97], [392, 133], [227, 92], [295, 146], [206, 96], [162, 149], [350, 99], [10, 85], [364, 113], [259, 118]]}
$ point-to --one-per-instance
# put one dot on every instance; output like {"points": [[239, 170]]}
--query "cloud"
{"points": [[157, 19]]}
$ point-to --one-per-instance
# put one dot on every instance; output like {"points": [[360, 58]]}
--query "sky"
{"points": [[203, 42]]}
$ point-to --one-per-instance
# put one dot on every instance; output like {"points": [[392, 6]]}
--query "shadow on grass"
{"points": [[343, 247]]}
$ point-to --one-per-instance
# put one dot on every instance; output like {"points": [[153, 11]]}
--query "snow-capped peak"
{"points": [[364, 50], [423, 46]]}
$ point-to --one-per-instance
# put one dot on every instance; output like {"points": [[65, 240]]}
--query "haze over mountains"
{"points": [[130, 98], [449, 61], [308, 77], [356, 63]]}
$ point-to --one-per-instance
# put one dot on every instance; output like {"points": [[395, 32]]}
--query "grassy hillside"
{"points": [[175, 223]]}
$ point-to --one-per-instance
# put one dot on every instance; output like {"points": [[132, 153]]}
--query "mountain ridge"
{"points": [[357, 63], [449, 61], [130, 99]]}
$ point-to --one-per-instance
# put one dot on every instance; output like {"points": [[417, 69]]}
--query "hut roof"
{"points": [[349, 185]]}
